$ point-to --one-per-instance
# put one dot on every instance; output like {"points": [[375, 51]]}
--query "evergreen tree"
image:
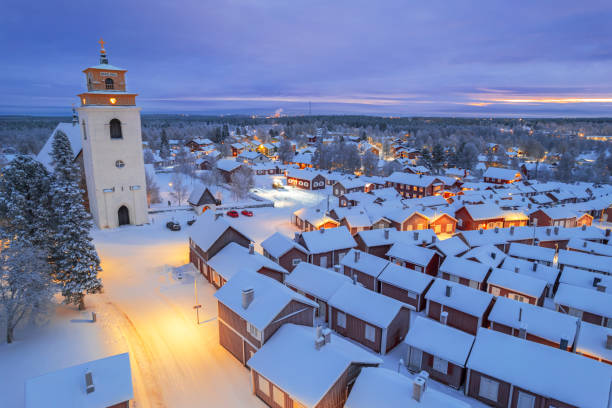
{"points": [[25, 202], [75, 259], [565, 168], [437, 157], [164, 146], [285, 151], [225, 132], [426, 159]]}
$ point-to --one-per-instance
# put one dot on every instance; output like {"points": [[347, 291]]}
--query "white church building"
{"points": [[106, 140]]}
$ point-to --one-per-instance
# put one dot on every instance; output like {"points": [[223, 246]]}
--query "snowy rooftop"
{"points": [[440, 340], [73, 132], [302, 174], [592, 340], [112, 379], [501, 174], [376, 237], [228, 164], [463, 298], [294, 346], [590, 247], [465, 268], [488, 255], [585, 279], [517, 282], [419, 180], [539, 321], [234, 258], [411, 253], [365, 263], [550, 372], [599, 303], [270, 297], [328, 239], [546, 273], [407, 279], [278, 244], [207, 230], [316, 281], [531, 252], [484, 211], [450, 247], [371, 307], [585, 261], [384, 388]]}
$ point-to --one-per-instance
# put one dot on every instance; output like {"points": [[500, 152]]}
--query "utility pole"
{"points": [[197, 306]]}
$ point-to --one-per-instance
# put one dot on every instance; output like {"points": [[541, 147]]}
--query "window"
{"points": [[119, 164], [449, 227], [519, 298], [295, 261], [115, 129], [495, 291], [253, 331], [305, 184], [341, 320], [440, 365], [473, 284], [370, 333], [109, 83], [264, 385], [278, 396], [574, 312], [525, 400], [488, 389], [412, 295], [418, 268], [454, 278]]}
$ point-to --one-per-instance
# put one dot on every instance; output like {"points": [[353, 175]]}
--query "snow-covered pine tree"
{"points": [[75, 259], [25, 202]]}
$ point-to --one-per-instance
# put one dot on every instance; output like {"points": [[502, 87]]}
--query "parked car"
{"points": [[247, 213], [232, 213], [173, 226]]}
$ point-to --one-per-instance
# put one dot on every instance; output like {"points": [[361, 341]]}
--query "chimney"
{"points": [[444, 317], [584, 244], [601, 288], [496, 230], [322, 230], [433, 239], [357, 254], [563, 344], [523, 331], [89, 385], [596, 281], [418, 388], [449, 290], [327, 335], [319, 339], [493, 255], [415, 236], [535, 266], [607, 230], [512, 230], [386, 234], [609, 342], [247, 297], [516, 269], [584, 227], [251, 249]]}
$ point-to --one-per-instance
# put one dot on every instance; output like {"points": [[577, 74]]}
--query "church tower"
{"points": [[112, 147]]}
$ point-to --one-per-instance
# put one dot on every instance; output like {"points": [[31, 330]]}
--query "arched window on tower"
{"points": [[115, 129], [109, 83]]}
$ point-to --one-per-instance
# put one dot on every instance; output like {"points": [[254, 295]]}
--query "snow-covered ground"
{"points": [[147, 311]]}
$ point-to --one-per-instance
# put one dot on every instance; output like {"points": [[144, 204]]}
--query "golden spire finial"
{"points": [[101, 42]]}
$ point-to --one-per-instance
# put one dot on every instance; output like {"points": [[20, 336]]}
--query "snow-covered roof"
{"points": [[484, 211], [350, 183], [316, 281], [112, 379], [592, 340], [384, 388], [376, 237], [207, 230], [465, 268], [517, 282], [542, 369], [278, 245], [442, 341], [405, 278], [270, 297], [108, 67], [302, 174], [410, 179], [234, 258], [487, 254], [317, 216], [450, 247], [73, 132], [543, 272], [539, 321], [328, 239], [197, 192], [585, 279], [463, 298], [369, 306], [228, 165], [366, 263], [592, 301], [531, 252], [293, 346], [413, 254], [502, 174], [582, 260], [590, 247]]}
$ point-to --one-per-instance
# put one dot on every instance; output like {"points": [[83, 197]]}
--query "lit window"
{"points": [[119, 164], [264, 385], [341, 320], [254, 331], [488, 389], [278, 396]]}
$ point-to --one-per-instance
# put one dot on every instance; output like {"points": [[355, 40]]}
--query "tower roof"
{"points": [[104, 65]]}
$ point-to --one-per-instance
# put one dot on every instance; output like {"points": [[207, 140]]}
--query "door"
{"points": [[414, 361], [124, 215]]}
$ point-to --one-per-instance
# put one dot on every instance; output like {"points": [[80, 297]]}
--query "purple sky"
{"points": [[439, 58]]}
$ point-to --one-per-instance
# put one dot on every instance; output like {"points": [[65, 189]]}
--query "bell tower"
{"points": [[112, 147]]}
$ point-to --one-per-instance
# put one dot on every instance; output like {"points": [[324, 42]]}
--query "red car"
{"points": [[247, 213], [232, 213]]}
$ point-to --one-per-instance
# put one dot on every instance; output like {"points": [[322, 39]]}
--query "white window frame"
{"points": [[525, 400], [276, 394], [440, 365], [253, 331], [454, 278], [418, 268], [295, 261], [412, 295], [495, 291], [260, 385], [488, 389], [341, 319], [370, 333]]}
